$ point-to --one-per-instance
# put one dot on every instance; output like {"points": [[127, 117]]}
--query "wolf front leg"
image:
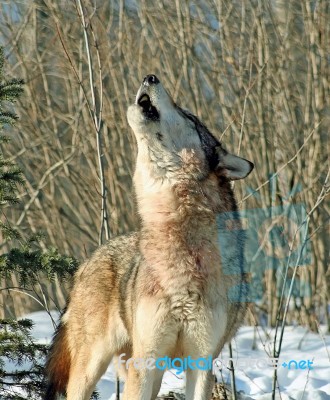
{"points": [[199, 385], [139, 384], [154, 336], [202, 342]]}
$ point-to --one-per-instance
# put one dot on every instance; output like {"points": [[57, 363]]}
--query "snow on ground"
{"points": [[252, 366]]}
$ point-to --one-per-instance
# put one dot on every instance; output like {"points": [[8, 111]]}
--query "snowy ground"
{"points": [[253, 372]]}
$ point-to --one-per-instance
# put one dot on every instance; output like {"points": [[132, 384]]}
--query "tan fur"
{"points": [[160, 291]]}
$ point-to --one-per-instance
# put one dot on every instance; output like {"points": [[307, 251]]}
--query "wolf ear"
{"points": [[231, 166]]}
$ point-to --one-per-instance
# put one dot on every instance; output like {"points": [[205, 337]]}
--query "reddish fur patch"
{"points": [[153, 287], [58, 364]]}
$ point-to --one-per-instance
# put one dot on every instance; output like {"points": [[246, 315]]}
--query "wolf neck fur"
{"points": [[187, 192], [179, 235]]}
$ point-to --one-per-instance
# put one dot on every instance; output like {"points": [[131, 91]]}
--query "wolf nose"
{"points": [[150, 80]]}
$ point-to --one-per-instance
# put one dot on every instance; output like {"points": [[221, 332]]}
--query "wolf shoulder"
{"points": [[112, 257]]}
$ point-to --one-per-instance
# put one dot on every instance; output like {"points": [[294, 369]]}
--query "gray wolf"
{"points": [[160, 291]]}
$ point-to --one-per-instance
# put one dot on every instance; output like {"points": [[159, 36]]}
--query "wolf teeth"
{"points": [[144, 99]]}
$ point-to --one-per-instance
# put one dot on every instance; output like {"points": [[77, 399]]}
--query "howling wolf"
{"points": [[162, 291]]}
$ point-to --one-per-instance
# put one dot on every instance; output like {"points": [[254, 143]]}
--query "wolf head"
{"points": [[172, 142]]}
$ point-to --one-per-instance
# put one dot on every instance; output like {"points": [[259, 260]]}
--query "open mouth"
{"points": [[149, 110]]}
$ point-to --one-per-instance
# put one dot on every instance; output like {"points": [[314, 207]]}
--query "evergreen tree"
{"points": [[21, 359]]}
